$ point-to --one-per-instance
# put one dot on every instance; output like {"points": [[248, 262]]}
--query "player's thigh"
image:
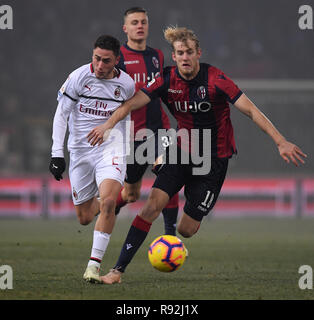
{"points": [[108, 192], [202, 192], [87, 210], [171, 178], [82, 180], [109, 188], [135, 170], [110, 178]]}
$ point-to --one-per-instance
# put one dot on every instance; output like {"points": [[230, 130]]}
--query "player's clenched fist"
{"points": [[57, 167]]}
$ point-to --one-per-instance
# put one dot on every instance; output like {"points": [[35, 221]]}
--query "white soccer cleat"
{"points": [[92, 274]]}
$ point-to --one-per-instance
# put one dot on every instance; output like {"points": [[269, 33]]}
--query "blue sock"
{"points": [[170, 220], [136, 236]]}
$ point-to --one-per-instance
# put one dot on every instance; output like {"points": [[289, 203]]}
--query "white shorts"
{"points": [[88, 170]]}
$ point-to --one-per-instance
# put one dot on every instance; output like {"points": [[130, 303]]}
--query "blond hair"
{"points": [[173, 34]]}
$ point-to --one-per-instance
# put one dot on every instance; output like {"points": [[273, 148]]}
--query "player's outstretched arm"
{"points": [[99, 134], [287, 150]]}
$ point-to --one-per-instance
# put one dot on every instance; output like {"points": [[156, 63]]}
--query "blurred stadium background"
{"points": [[258, 44]]}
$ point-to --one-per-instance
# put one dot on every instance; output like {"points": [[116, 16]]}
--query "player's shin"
{"points": [[170, 219], [100, 243], [136, 236], [170, 214]]}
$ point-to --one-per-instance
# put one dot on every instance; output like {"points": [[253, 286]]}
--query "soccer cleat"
{"points": [[92, 274], [114, 276]]}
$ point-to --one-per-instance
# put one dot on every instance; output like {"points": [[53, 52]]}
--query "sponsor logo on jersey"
{"points": [[192, 106], [95, 112], [132, 62], [201, 92], [175, 91], [100, 104], [143, 77], [117, 92], [155, 62]]}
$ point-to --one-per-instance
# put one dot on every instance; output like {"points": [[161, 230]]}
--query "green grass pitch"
{"points": [[228, 259]]}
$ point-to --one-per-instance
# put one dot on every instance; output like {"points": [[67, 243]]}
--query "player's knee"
{"points": [[185, 232], [84, 220], [133, 195], [107, 205]]}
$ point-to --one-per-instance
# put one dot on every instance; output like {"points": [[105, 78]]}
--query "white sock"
{"points": [[100, 243]]}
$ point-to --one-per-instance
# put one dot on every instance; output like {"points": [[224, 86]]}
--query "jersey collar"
{"points": [[195, 79], [137, 51]]}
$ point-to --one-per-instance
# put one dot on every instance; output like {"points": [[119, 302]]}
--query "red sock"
{"points": [[141, 224], [120, 202], [173, 202]]}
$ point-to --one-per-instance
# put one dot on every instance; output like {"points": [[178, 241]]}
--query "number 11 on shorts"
{"points": [[208, 199]]}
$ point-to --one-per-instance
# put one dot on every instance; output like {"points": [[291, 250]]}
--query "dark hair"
{"points": [[133, 10], [108, 43]]}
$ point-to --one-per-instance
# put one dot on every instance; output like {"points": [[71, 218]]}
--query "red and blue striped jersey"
{"points": [[200, 103], [143, 66]]}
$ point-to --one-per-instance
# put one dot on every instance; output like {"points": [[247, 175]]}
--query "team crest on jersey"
{"points": [[155, 62], [117, 92], [74, 194], [201, 92]]}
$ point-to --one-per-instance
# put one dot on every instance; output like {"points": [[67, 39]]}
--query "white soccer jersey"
{"points": [[85, 102]]}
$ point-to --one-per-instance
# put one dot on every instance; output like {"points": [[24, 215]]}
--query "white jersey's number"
{"points": [[208, 199]]}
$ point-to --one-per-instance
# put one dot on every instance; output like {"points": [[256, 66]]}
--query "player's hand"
{"points": [[98, 135], [290, 152], [57, 167]]}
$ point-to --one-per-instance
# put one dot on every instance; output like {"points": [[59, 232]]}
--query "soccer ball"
{"points": [[167, 253]]}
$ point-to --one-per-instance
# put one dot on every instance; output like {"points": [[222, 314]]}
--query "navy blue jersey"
{"points": [[143, 66]]}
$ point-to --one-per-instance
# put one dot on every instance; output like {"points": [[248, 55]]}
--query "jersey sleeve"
{"points": [[227, 87], [121, 64], [70, 88], [130, 90], [67, 99], [155, 88]]}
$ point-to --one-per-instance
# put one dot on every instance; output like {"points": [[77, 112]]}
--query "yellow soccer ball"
{"points": [[167, 253]]}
